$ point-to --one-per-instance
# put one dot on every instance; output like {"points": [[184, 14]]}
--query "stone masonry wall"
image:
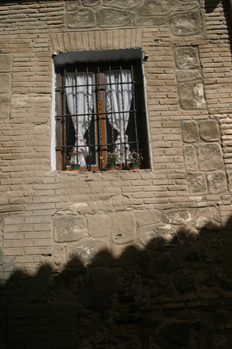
{"points": [[100, 260]]}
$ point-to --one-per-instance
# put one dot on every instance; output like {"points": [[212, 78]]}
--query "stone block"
{"points": [[156, 7], [190, 158], [5, 63], [121, 3], [196, 182], [210, 157], [90, 2], [156, 236], [147, 217], [192, 95], [68, 228], [190, 233], [187, 76], [86, 250], [84, 18], [113, 18], [123, 227], [206, 223], [5, 83], [186, 58], [101, 206], [186, 23], [4, 114], [73, 5], [190, 131], [211, 213], [217, 182], [99, 225], [176, 217], [209, 130]]}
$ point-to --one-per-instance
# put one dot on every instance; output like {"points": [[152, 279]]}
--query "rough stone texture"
{"points": [[99, 225], [147, 217], [159, 235], [4, 114], [81, 19], [191, 233], [123, 228], [5, 63], [186, 23], [190, 131], [156, 7], [5, 83], [196, 182], [186, 58], [192, 95], [210, 157], [176, 217], [113, 18], [211, 213], [67, 229], [121, 3], [209, 130], [85, 250], [73, 5], [205, 223], [165, 235], [190, 158], [5, 100], [90, 2], [187, 76], [217, 182]]}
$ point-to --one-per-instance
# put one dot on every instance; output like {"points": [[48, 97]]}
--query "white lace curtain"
{"points": [[80, 105], [118, 96]]}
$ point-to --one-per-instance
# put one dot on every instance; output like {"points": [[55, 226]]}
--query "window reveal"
{"points": [[99, 109]]}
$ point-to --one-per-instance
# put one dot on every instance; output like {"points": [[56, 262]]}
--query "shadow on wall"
{"points": [[210, 5], [163, 297]]}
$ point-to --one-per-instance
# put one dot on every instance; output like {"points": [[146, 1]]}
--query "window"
{"points": [[100, 108]]}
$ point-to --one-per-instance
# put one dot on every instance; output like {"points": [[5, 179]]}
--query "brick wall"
{"points": [[92, 223]]}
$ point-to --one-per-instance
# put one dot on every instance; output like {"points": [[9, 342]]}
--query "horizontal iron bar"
{"points": [[57, 89], [102, 113], [94, 145]]}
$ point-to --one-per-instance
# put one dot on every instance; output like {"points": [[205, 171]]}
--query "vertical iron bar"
{"points": [[77, 126], [87, 73], [133, 98], [64, 158], [99, 111], [111, 104], [124, 131]]}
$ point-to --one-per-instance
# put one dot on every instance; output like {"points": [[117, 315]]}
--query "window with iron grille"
{"points": [[100, 108]]}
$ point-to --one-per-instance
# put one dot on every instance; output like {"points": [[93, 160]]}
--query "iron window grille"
{"points": [[100, 108]]}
